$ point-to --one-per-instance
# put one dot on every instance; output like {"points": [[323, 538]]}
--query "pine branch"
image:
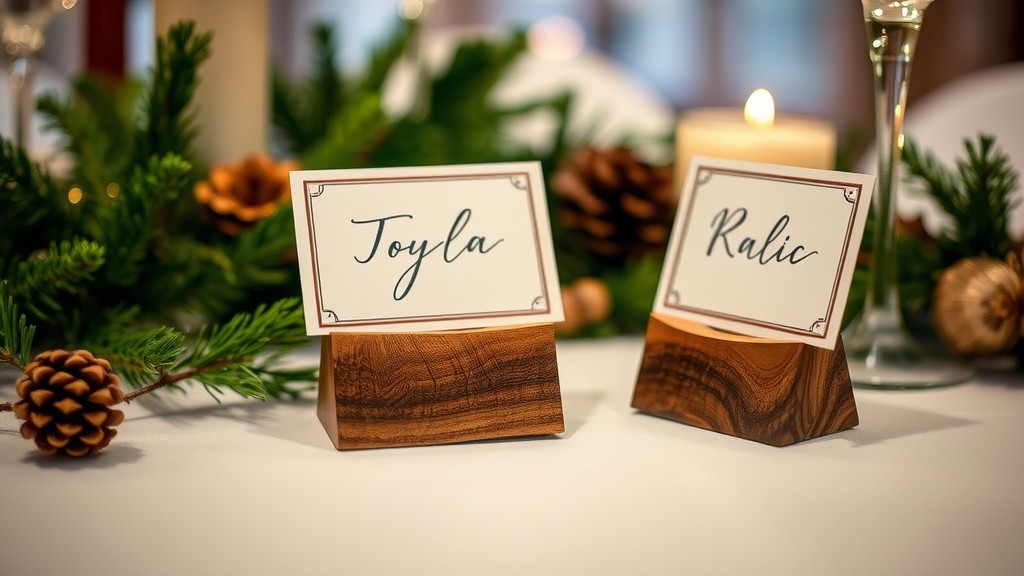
{"points": [[139, 355], [461, 125], [81, 137], [476, 67], [39, 282], [256, 253], [456, 124], [96, 314], [287, 112], [352, 136], [326, 88], [217, 279], [386, 55], [328, 107], [192, 278], [303, 111], [168, 125], [232, 356], [32, 215], [977, 197], [128, 229], [989, 181], [169, 378], [246, 334], [96, 122], [250, 381], [222, 352], [15, 332]]}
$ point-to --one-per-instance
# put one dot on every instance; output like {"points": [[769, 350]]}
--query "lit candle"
{"points": [[233, 99], [754, 134]]}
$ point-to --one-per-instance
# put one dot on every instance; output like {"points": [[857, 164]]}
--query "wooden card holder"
{"points": [[407, 389], [775, 392]]}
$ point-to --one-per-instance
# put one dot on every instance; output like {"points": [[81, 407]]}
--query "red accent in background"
{"points": [[104, 37]]}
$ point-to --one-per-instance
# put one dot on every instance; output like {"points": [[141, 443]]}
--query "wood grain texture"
{"points": [[772, 391], [390, 389]]}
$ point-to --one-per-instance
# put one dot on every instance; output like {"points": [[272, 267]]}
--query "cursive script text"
{"points": [[767, 251], [451, 250]]}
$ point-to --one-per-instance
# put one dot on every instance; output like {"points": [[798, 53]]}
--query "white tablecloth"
{"points": [[930, 483]]}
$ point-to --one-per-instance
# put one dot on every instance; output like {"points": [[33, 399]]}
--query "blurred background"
{"points": [[632, 67], [683, 53]]}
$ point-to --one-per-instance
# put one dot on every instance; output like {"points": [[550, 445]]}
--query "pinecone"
{"points": [[65, 400], [620, 206], [239, 195]]}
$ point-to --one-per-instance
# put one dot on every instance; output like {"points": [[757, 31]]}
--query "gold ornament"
{"points": [[65, 401], [586, 301], [978, 306], [239, 195]]}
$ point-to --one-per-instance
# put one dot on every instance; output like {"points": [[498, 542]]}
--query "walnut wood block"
{"points": [[772, 391], [389, 389]]}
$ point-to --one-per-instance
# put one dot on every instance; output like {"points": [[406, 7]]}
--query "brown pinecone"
{"points": [[65, 400], [619, 205], [239, 195]]}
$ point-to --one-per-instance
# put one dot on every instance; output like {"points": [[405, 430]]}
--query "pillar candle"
{"points": [[755, 135], [232, 102]]}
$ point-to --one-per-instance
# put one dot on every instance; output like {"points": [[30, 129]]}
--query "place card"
{"points": [[426, 248], [765, 250]]}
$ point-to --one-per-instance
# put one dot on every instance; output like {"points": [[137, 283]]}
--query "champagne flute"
{"points": [[880, 351], [21, 35]]}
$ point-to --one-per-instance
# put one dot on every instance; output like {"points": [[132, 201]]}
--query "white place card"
{"points": [[428, 248], [765, 250]]}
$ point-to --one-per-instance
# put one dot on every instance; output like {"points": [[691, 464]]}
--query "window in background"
{"points": [[776, 45], [666, 43], [360, 26], [140, 51], [526, 12]]}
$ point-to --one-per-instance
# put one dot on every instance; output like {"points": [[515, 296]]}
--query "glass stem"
{"points": [[21, 69], [882, 306]]}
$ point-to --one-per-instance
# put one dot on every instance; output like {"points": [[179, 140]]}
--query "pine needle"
{"points": [[303, 111], [105, 272], [15, 332], [222, 353], [977, 197], [32, 214], [168, 124], [96, 123], [40, 281], [142, 355], [386, 55], [127, 230]]}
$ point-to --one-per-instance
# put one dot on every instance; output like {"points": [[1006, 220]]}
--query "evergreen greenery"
{"points": [[333, 120], [134, 273], [169, 124], [143, 355], [15, 332], [117, 258], [977, 198]]}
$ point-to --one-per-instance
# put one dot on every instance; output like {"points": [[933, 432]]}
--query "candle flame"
{"points": [[760, 109]]}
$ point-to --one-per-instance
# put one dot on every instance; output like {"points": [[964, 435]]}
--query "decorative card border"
{"points": [[822, 326], [526, 177]]}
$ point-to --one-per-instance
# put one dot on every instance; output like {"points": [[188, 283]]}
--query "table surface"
{"points": [[931, 482]]}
